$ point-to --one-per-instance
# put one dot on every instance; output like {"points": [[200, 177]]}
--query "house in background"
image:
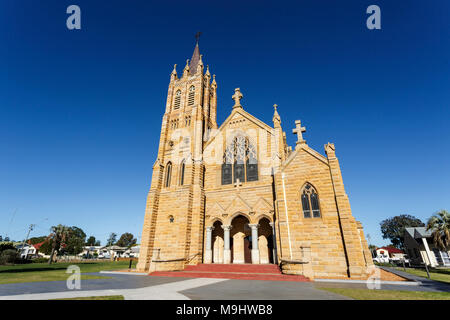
{"points": [[394, 254], [132, 252], [91, 251], [30, 251], [26, 251], [106, 252], [38, 246], [381, 255], [421, 249]]}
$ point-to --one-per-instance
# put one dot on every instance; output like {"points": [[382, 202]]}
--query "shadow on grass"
{"points": [[441, 271], [18, 268]]}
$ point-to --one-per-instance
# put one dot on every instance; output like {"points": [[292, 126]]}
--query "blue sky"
{"points": [[81, 110]]}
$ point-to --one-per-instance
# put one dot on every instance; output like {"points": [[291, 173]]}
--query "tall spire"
{"points": [[195, 56]]}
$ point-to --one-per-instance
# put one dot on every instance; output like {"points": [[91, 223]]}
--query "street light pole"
{"points": [[28, 234]]}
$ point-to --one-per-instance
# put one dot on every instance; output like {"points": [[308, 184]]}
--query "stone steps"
{"points": [[245, 268], [232, 271]]}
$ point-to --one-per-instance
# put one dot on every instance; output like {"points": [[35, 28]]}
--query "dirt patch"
{"points": [[389, 276]]}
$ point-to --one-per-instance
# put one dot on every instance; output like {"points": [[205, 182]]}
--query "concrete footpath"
{"points": [[167, 291]]}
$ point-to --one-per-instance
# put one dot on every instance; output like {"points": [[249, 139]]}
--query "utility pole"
{"points": [[28, 234]]}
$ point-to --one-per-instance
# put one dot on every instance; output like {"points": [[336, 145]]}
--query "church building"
{"points": [[239, 194]]}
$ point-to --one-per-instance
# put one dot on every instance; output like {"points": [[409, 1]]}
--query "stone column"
{"points": [[255, 249], [274, 251], [208, 249], [226, 244]]}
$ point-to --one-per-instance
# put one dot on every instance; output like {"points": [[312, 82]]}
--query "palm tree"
{"points": [[439, 223], [58, 236]]}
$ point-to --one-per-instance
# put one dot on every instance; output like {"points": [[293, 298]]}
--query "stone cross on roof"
{"points": [[237, 184], [237, 96], [298, 131]]}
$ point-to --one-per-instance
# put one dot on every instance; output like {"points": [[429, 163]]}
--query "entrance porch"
{"points": [[240, 242]]}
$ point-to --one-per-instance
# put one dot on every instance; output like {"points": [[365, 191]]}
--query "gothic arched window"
{"points": [[239, 162], [177, 102], [168, 174], [191, 96], [182, 169], [310, 202]]}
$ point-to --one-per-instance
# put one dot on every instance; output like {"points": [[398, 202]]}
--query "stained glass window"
{"points": [[239, 161], [310, 202]]}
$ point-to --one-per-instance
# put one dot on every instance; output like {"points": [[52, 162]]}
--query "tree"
{"points": [[439, 224], [1, 238], [394, 228], [91, 241], [97, 243], [35, 240], [112, 239], [75, 241], [126, 240], [58, 236], [46, 247]]}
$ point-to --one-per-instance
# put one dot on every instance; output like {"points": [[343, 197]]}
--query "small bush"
{"points": [[6, 246], [40, 260], [9, 256]]}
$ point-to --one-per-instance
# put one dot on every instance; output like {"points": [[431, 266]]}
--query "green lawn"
{"points": [[366, 294], [95, 298], [442, 275], [57, 271]]}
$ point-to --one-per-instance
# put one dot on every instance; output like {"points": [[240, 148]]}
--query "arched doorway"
{"points": [[265, 241], [241, 241], [217, 243]]}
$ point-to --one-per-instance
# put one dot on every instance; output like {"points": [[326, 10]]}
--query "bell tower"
{"points": [[173, 228]]}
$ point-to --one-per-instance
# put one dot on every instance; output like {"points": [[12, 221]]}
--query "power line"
{"points": [[10, 222], [28, 234]]}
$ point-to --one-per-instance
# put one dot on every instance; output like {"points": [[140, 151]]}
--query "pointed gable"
{"points": [[238, 205], [240, 119], [262, 206]]}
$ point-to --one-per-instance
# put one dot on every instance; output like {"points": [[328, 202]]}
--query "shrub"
{"points": [[40, 260], [6, 246], [9, 256]]}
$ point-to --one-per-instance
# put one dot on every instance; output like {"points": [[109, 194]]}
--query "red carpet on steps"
{"points": [[269, 272]]}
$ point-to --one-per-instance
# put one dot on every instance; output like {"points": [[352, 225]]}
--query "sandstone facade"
{"points": [[239, 194]]}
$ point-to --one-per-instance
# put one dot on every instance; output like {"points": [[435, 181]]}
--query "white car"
{"points": [[381, 259]]}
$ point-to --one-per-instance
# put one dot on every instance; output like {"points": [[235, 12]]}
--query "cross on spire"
{"points": [[197, 36], [237, 96], [298, 131]]}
